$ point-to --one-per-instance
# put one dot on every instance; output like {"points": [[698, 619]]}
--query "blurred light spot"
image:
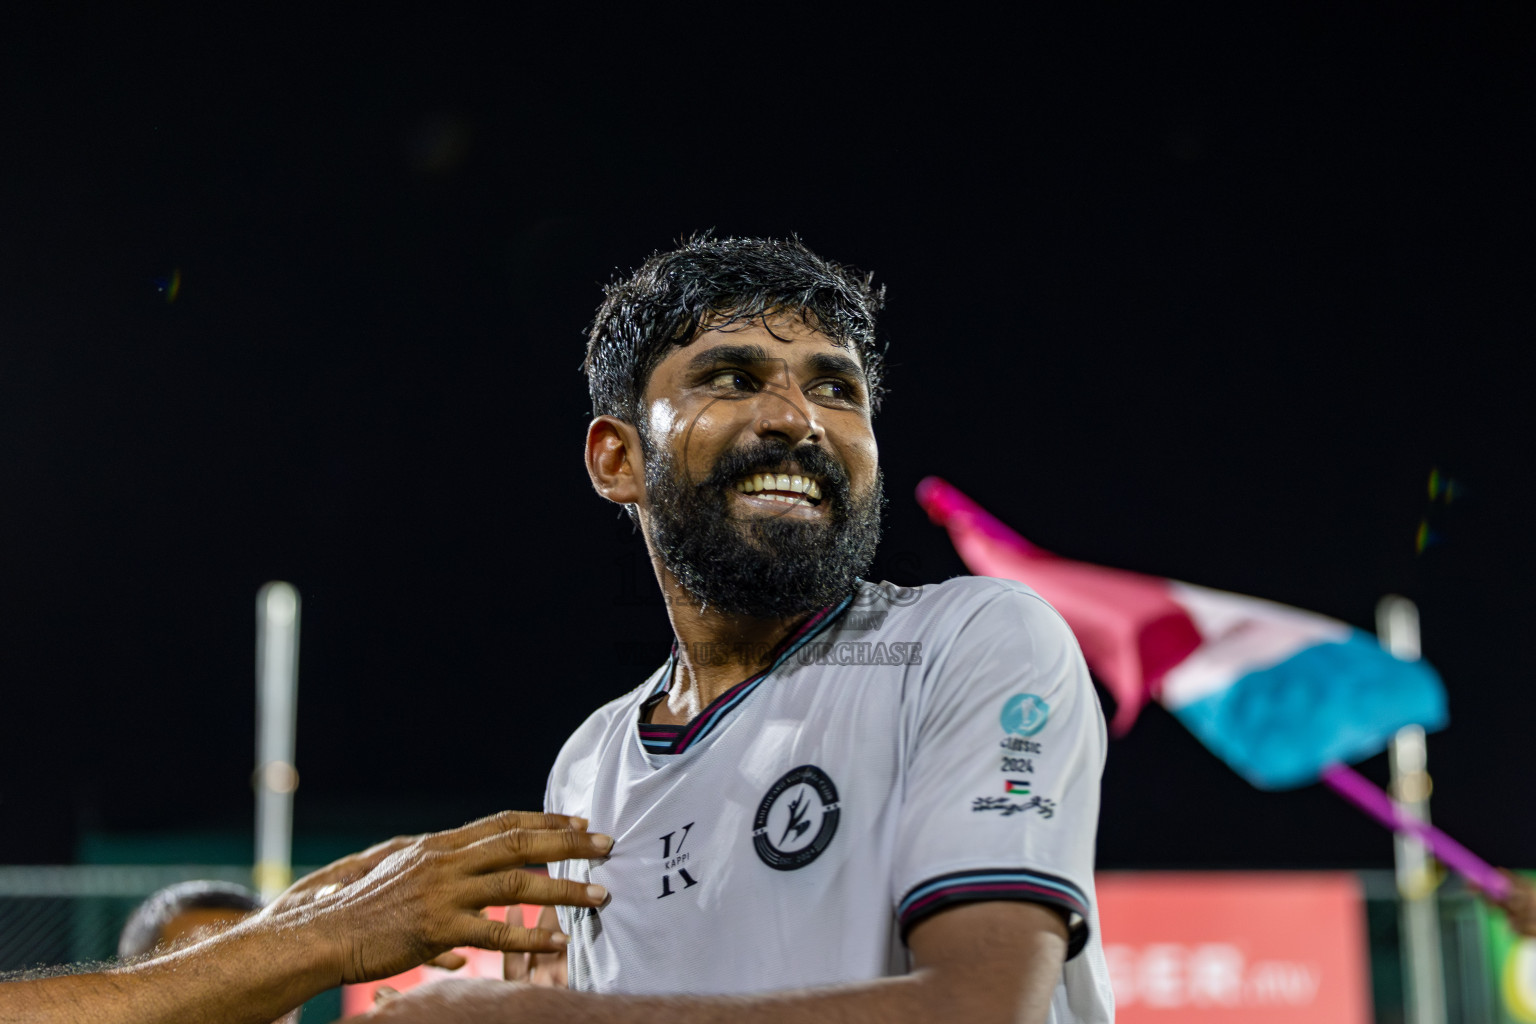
{"points": [[1425, 537], [170, 285], [1442, 487], [279, 777], [282, 605]]}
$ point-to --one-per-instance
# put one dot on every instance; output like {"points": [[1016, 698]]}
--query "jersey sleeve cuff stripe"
{"points": [[927, 898], [1060, 886]]}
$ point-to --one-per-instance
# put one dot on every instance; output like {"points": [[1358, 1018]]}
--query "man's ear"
{"points": [[614, 460]]}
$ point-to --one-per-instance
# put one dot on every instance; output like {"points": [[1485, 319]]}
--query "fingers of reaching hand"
{"points": [[507, 887], [535, 846], [505, 821], [510, 938]]}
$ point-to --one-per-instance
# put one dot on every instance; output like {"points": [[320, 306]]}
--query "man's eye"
{"points": [[833, 389], [734, 379]]}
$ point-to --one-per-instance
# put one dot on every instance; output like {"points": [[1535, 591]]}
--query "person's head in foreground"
{"points": [[734, 383], [183, 913]]}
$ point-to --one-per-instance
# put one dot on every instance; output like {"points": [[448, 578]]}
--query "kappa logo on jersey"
{"points": [[1024, 714], [673, 857], [797, 819]]}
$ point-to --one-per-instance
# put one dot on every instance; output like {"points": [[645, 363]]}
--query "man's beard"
{"points": [[762, 565]]}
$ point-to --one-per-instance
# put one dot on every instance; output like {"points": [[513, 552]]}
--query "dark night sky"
{"points": [[1206, 299]]}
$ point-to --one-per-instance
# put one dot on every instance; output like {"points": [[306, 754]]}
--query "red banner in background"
{"points": [[1225, 948]]}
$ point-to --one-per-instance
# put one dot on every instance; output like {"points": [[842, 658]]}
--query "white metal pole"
{"points": [[1397, 625], [277, 684]]}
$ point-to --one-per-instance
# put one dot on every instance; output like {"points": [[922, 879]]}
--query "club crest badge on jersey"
{"points": [[797, 819], [1024, 714]]}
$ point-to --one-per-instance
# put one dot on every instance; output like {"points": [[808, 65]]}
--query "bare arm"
{"points": [[367, 916], [243, 974], [984, 962]]}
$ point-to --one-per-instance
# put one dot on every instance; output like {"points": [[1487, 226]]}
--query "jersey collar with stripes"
{"points": [[674, 739]]}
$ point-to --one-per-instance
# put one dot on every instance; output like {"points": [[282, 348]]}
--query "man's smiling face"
{"points": [[762, 482]]}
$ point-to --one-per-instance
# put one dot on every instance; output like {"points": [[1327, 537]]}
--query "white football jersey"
{"points": [[911, 749]]}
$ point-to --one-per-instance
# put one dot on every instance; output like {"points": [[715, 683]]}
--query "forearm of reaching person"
{"points": [[251, 973], [367, 916], [982, 963]]}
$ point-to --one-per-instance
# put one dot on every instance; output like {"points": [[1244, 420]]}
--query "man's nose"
{"points": [[786, 414]]}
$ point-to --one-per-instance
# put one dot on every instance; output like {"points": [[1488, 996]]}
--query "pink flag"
{"points": [[1278, 693], [1131, 629]]}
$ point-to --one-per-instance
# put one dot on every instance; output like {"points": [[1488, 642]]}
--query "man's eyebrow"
{"points": [[745, 355], [756, 355], [826, 362]]}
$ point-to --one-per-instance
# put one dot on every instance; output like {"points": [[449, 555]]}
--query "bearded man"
{"points": [[838, 800]]}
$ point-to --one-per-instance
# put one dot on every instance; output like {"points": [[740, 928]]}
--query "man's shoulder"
{"points": [[967, 616], [589, 735], [957, 600], [604, 718]]}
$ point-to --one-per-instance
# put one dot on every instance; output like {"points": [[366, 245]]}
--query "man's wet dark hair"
{"points": [[719, 282], [142, 932]]}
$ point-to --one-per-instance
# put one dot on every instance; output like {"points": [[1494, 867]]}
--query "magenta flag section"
{"points": [[1130, 628]]}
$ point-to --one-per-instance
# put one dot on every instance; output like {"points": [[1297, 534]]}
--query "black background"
{"points": [[1200, 295]]}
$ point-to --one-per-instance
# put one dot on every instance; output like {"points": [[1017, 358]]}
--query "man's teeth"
{"points": [[793, 483]]}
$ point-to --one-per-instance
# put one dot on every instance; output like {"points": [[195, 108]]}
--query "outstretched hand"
{"points": [[1519, 905], [408, 900]]}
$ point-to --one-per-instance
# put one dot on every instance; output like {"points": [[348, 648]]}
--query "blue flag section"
{"points": [[1279, 727]]}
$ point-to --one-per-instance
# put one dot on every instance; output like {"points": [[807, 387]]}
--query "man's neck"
{"points": [[715, 651]]}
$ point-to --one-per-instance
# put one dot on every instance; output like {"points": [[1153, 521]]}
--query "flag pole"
{"points": [[1364, 794], [277, 684], [1397, 626]]}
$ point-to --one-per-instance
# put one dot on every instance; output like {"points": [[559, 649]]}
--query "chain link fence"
{"points": [[51, 916], [61, 915]]}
